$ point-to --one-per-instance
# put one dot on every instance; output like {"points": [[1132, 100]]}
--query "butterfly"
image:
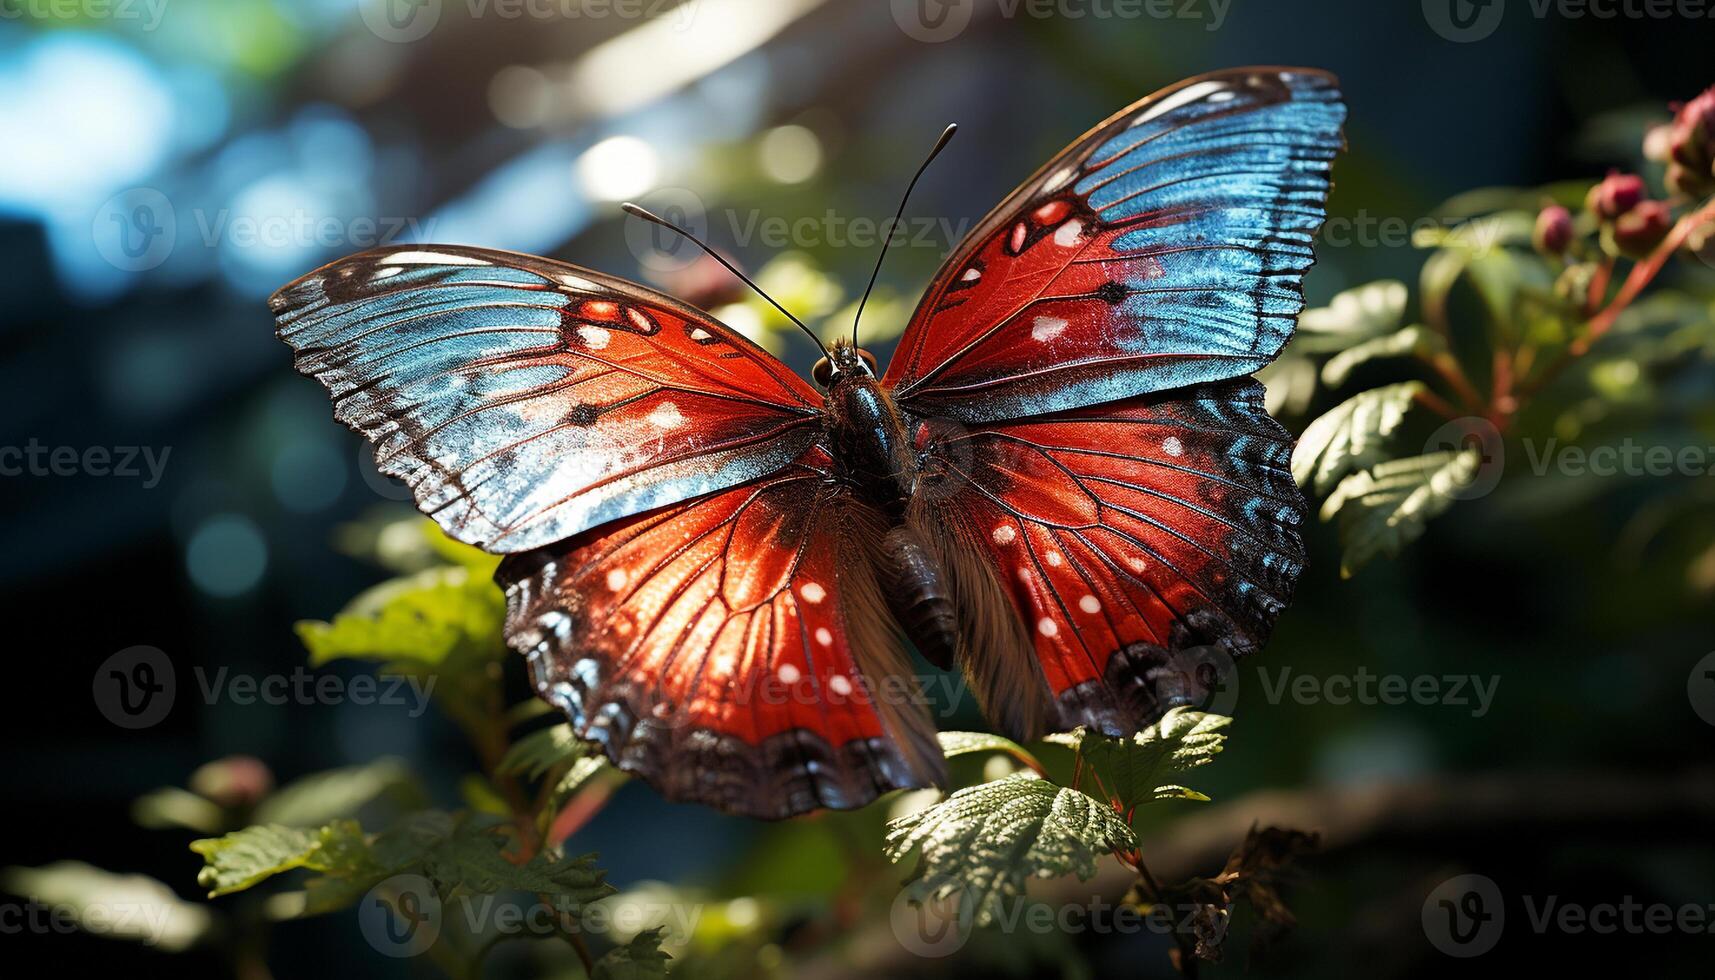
{"points": [[1064, 479]]}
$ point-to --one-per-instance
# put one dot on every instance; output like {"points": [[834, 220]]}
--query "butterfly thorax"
{"points": [[866, 433]]}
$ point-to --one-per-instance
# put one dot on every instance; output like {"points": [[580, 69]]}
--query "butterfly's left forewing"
{"points": [[525, 400]]}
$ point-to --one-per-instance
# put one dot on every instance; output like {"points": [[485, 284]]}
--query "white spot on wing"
{"points": [[1004, 534], [1059, 179], [972, 274], [788, 674], [595, 338], [824, 636], [839, 685], [1067, 234], [1172, 446], [432, 258], [813, 593], [1047, 627], [1090, 604], [1046, 328], [666, 416], [617, 578], [1054, 559]]}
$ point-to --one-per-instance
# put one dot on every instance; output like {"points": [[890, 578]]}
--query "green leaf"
{"points": [[1355, 315], [423, 619], [968, 743], [119, 906], [468, 852], [542, 750], [243, 858], [171, 807], [1352, 435], [336, 794], [1386, 507], [1415, 340], [986, 840], [640, 959], [1134, 769]]}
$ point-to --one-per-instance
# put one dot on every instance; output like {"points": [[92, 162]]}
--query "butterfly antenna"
{"points": [[940, 144], [648, 215]]}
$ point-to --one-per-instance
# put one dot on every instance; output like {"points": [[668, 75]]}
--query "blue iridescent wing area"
{"points": [[525, 400], [1165, 248]]}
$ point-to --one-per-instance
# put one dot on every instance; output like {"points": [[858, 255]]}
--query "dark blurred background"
{"points": [[165, 166]]}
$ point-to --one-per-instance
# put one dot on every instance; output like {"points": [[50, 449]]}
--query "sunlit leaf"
{"points": [[423, 618], [640, 959], [1415, 340], [1384, 508], [335, 794], [1352, 316], [541, 750], [985, 841], [246, 857], [1352, 435], [1135, 770], [119, 906]]}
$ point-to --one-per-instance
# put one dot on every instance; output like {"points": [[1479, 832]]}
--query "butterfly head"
{"points": [[845, 360]]}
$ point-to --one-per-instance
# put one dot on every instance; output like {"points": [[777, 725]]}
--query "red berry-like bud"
{"points": [[235, 781], [1615, 195], [1692, 146], [1642, 228], [1553, 233]]}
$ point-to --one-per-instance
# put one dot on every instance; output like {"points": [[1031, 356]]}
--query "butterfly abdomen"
{"points": [[918, 596]]}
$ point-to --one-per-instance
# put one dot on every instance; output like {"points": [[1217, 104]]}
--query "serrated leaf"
{"points": [[986, 840], [468, 852], [1352, 435], [1386, 507], [1354, 315], [243, 858], [119, 906], [1415, 340], [1135, 769], [422, 619], [641, 959], [323, 797], [967, 743], [542, 750]]}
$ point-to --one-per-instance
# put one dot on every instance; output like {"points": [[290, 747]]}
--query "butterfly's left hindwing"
{"points": [[1123, 534], [525, 400], [733, 650]]}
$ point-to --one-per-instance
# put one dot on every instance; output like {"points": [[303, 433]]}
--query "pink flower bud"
{"points": [[1692, 146], [1553, 233], [1642, 228], [235, 781], [1615, 195]]}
